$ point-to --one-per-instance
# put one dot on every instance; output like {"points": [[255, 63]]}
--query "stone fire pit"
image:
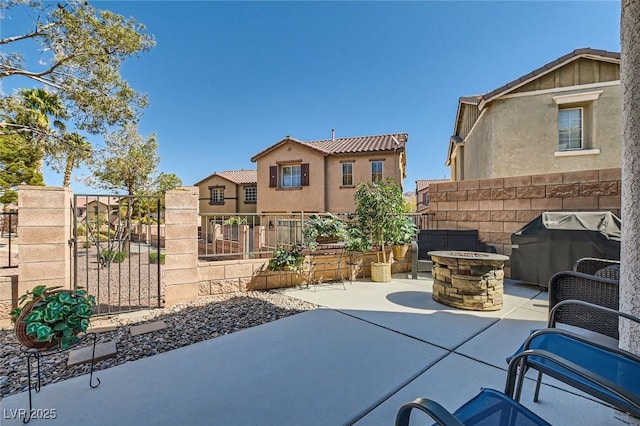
{"points": [[468, 279]]}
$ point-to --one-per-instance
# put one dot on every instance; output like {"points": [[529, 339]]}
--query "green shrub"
{"points": [[153, 257], [115, 256]]}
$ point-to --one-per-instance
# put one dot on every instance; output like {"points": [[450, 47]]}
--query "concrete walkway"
{"points": [[373, 347]]}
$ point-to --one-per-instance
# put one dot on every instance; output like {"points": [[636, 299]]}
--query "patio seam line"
{"points": [[391, 393], [392, 330]]}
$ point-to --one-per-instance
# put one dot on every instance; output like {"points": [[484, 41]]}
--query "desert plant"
{"points": [[54, 315], [154, 257], [325, 226], [108, 256], [284, 259]]}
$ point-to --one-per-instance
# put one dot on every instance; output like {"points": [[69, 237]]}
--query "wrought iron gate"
{"points": [[117, 250]]}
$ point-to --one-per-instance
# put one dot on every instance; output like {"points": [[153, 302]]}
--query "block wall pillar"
{"points": [[181, 245], [44, 230]]}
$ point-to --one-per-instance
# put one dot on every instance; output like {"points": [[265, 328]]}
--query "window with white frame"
{"points": [[250, 194], [290, 176], [376, 170], [347, 174], [570, 128], [217, 194]]}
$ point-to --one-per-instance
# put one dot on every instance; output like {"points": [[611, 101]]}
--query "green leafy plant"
{"points": [[55, 315], [356, 241], [236, 220], [378, 204], [283, 259], [115, 256], [155, 256], [326, 226], [403, 232]]}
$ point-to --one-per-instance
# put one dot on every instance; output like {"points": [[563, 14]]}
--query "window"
{"points": [[217, 194], [570, 128], [290, 176], [425, 199], [250, 194], [347, 174], [376, 170]]}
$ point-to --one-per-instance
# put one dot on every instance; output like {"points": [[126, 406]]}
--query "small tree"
{"points": [[378, 204]]}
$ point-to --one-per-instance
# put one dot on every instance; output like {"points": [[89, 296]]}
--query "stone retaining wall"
{"points": [[501, 206]]}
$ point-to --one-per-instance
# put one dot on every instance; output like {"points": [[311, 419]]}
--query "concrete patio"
{"points": [[373, 347]]}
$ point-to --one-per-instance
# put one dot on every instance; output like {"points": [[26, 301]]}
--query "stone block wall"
{"points": [[499, 207]]}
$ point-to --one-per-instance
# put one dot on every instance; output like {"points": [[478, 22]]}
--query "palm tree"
{"points": [[78, 150], [38, 106]]}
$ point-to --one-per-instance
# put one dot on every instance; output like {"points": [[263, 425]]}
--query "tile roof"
{"points": [[360, 143], [487, 97], [357, 144], [422, 184], [240, 177]]}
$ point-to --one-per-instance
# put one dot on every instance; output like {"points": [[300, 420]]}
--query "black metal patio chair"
{"points": [[569, 285], [603, 371], [490, 407], [605, 268]]}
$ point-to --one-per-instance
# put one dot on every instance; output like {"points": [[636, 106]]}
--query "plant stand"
{"points": [[329, 256], [34, 355]]}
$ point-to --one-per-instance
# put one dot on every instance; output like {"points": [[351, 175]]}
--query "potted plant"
{"points": [[47, 317], [356, 244], [287, 259], [378, 204], [404, 231], [325, 229]]}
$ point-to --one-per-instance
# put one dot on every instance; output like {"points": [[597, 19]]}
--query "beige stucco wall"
{"points": [[309, 198], [234, 198], [518, 136], [339, 198]]}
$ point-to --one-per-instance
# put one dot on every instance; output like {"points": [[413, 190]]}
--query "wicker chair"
{"points": [[569, 285], [602, 267]]}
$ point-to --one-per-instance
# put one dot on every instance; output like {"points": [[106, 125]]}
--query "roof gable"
{"points": [[586, 53], [239, 177], [423, 184], [350, 145]]}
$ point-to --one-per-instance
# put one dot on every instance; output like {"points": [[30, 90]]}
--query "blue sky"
{"points": [[228, 79]]}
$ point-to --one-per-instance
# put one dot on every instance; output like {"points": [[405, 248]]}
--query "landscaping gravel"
{"points": [[202, 319]]}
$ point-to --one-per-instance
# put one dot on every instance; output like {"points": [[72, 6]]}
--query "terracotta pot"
{"points": [[327, 240], [399, 252]]}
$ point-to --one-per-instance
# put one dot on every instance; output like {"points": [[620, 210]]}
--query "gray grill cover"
{"points": [[554, 241]]}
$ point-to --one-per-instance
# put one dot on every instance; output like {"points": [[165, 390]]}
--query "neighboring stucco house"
{"points": [[565, 116], [322, 175], [92, 207], [422, 194], [228, 192]]}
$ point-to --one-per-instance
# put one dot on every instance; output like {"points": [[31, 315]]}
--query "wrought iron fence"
{"points": [[117, 250], [229, 236], [8, 235]]}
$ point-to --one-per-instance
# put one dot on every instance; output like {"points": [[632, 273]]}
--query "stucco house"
{"points": [[228, 192], [322, 175], [562, 117], [422, 193]]}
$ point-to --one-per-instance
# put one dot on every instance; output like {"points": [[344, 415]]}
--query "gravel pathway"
{"points": [[202, 319]]}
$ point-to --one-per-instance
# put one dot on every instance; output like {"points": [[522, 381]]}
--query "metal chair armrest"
{"points": [[431, 408], [521, 360]]}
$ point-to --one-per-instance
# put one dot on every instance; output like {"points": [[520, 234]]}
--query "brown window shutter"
{"points": [[304, 170], [273, 176]]}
